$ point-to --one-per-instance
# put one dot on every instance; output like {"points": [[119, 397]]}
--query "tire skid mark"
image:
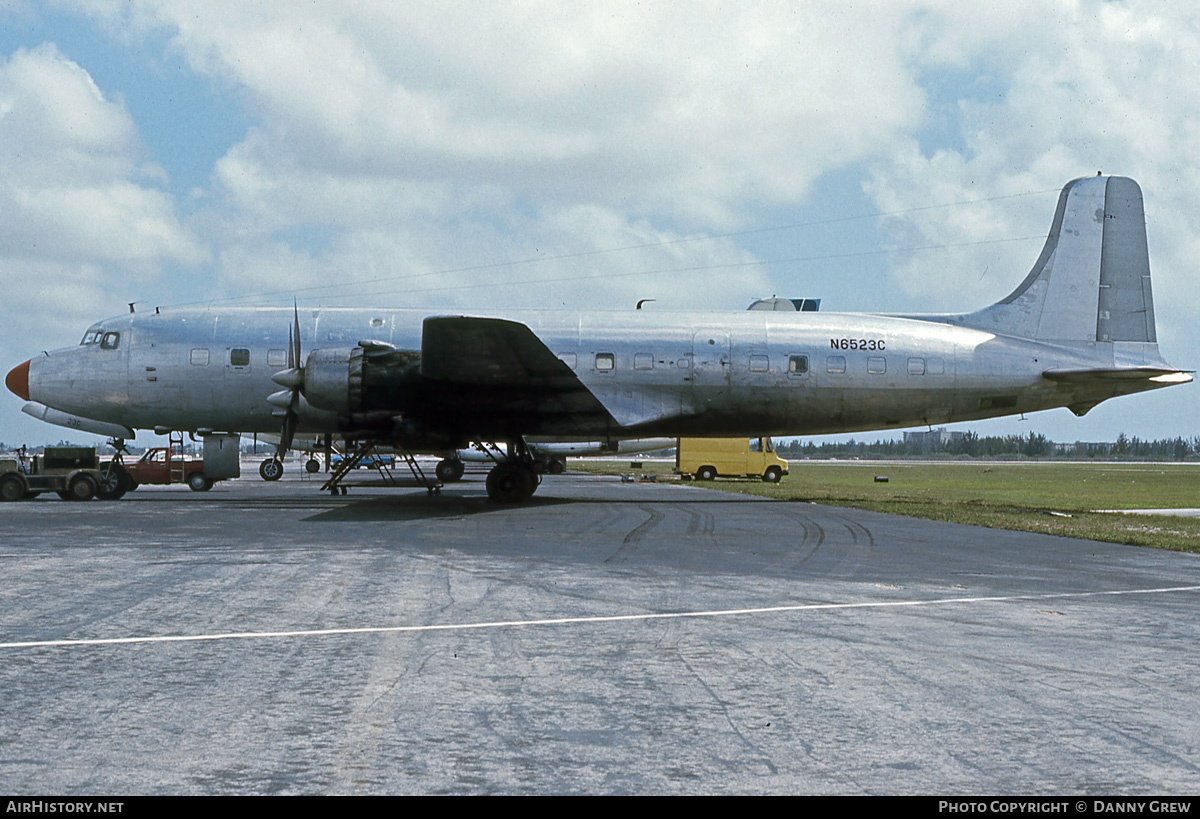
{"points": [[700, 522], [812, 534], [860, 534], [635, 536]]}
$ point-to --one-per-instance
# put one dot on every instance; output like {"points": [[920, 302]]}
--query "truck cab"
{"points": [[163, 465]]}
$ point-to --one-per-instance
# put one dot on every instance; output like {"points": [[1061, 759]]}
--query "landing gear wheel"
{"points": [[271, 469], [12, 488], [449, 470], [198, 482], [706, 473], [511, 483], [114, 483], [556, 466], [81, 488], [773, 474], [312, 465]]}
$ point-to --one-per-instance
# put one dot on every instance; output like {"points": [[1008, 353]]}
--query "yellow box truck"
{"points": [[706, 458]]}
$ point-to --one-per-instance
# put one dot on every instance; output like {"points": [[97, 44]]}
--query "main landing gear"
{"points": [[515, 478]]}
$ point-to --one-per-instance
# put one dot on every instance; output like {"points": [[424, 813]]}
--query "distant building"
{"points": [[932, 439], [1084, 448]]}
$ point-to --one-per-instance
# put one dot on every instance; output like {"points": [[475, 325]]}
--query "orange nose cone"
{"points": [[17, 380]]}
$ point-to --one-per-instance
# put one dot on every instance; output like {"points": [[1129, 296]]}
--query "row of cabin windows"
{"points": [[238, 357], [798, 365]]}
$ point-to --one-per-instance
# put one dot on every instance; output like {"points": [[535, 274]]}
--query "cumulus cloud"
{"points": [[376, 121], [80, 216], [1072, 89]]}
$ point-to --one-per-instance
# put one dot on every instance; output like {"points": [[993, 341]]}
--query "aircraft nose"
{"points": [[17, 380]]}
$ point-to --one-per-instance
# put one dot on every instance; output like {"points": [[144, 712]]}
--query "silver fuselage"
{"points": [[656, 373]]}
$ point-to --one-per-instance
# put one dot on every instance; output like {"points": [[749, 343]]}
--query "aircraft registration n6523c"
{"points": [[1077, 331]]}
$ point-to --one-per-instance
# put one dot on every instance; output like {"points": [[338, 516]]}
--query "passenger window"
{"points": [[568, 359], [643, 361], [798, 365], [199, 357], [110, 341], [916, 366], [835, 364], [877, 365], [936, 366], [605, 362], [239, 357], [759, 363], [277, 358]]}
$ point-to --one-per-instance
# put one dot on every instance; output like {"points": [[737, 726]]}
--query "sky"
{"points": [[891, 156]]}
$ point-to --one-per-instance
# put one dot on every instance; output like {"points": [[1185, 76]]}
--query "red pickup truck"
{"points": [[161, 465]]}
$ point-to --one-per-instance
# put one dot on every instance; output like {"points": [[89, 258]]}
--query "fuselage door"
{"points": [[710, 367]]}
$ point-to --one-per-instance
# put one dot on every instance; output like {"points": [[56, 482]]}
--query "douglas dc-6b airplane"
{"points": [[1077, 331]]}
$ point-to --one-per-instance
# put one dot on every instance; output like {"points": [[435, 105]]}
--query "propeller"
{"points": [[292, 380]]}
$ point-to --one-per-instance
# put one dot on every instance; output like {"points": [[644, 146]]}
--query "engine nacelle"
{"points": [[327, 379], [354, 380]]}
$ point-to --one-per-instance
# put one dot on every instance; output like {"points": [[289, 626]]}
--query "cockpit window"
{"points": [[110, 341], [92, 336]]}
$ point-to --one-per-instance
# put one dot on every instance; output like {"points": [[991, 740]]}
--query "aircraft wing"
{"points": [[501, 372], [489, 352]]}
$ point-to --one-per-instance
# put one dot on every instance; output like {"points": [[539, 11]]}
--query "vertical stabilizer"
{"points": [[1092, 279]]}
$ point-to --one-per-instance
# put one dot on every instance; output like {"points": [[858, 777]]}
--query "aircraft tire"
{"points": [[557, 466], [198, 482], [511, 483], [449, 470], [81, 488], [115, 482], [271, 469], [706, 473], [773, 474], [12, 488], [312, 465]]}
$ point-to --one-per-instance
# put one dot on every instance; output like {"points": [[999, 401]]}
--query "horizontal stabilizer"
{"points": [[1098, 375]]}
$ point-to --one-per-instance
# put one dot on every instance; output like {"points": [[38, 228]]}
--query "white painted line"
{"points": [[564, 621]]}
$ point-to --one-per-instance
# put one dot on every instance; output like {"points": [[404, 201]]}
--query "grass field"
{"points": [[1054, 498]]}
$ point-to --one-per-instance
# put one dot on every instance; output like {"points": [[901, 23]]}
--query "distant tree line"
{"points": [[972, 445]]}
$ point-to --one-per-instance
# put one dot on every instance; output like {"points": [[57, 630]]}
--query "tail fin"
{"points": [[1092, 280]]}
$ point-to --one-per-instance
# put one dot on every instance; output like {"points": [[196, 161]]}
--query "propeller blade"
{"points": [[288, 433], [299, 362]]}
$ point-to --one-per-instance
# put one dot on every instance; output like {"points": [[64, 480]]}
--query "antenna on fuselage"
{"points": [[131, 306]]}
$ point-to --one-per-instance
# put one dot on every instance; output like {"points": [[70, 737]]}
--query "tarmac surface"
{"points": [[602, 638]]}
